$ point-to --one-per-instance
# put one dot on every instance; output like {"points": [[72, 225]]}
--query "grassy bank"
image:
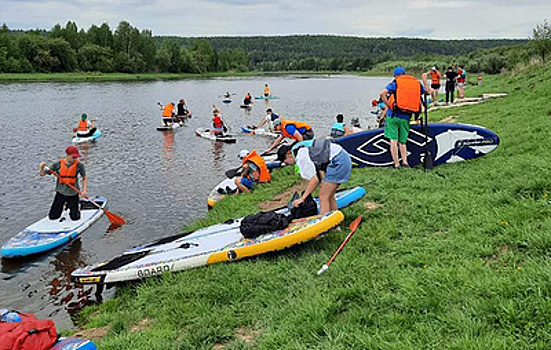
{"points": [[453, 258], [98, 77]]}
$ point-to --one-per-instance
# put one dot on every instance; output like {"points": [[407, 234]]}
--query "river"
{"points": [[157, 181]]}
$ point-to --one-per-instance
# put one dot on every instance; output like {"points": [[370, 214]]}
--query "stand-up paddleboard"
{"points": [[169, 127], [205, 133], [249, 106], [94, 137], [226, 100], [221, 243], [447, 143], [73, 344], [48, 234], [217, 243], [263, 132], [270, 97]]}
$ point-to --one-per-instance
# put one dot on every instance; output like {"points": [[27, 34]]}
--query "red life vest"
{"points": [[68, 174], [29, 334], [298, 125], [217, 122], [407, 97], [82, 125], [261, 164]]}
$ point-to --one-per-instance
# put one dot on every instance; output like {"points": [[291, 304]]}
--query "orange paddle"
{"points": [[353, 226]]}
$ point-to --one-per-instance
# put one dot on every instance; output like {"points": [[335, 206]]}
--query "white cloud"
{"points": [[421, 18]]}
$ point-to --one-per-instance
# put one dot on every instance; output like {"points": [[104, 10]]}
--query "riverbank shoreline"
{"points": [[456, 256]]}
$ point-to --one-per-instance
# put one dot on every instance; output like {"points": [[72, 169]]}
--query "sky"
{"points": [[435, 19]]}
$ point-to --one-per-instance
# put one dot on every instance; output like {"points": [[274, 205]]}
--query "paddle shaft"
{"points": [[74, 188], [354, 225], [427, 161]]}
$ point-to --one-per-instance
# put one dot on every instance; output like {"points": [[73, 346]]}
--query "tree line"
{"points": [[128, 49]]}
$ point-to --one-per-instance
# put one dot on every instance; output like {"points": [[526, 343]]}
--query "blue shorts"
{"points": [[247, 183], [339, 169]]}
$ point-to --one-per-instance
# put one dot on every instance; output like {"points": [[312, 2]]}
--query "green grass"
{"points": [[456, 258]]}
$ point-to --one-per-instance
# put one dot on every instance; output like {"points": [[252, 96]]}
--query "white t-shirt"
{"points": [[305, 164]]}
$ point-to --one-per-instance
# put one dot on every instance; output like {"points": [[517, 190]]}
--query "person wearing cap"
{"points": [[269, 119], [85, 128], [435, 78], [403, 99], [320, 162], [68, 169], [297, 131]]}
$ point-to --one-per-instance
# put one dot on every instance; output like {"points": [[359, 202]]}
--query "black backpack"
{"points": [[308, 208], [255, 225]]}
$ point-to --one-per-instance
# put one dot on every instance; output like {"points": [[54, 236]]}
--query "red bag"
{"points": [[29, 334]]}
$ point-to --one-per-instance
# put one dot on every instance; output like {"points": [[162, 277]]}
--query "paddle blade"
{"points": [[114, 219], [354, 224]]}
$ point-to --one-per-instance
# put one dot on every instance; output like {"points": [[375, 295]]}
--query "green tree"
{"points": [[95, 58], [541, 40]]}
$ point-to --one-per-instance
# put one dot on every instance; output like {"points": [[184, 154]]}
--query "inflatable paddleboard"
{"points": [[205, 133], [246, 106], [73, 344], [46, 234], [211, 245], [270, 97], [447, 143], [169, 127], [226, 100], [262, 132], [94, 137]]}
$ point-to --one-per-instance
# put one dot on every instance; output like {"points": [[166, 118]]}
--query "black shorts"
{"points": [[435, 86]]}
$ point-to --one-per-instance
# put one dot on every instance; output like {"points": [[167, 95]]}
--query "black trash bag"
{"points": [[255, 225], [307, 208]]}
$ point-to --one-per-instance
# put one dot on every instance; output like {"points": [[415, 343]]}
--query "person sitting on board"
{"points": [[339, 128], [266, 90], [297, 131], [218, 126], [356, 127], [168, 114], [248, 99], [320, 162], [269, 119], [227, 94], [68, 168], [182, 112], [85, 128], [255, 171], [405, 99]]}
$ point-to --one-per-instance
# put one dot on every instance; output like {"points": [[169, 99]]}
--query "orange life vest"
{"points": [[435, 77], [168, 110], [82, 125], [407, 97], [266, 90], [247, 96], [217, 122], [68, 174], [261, 164], [298, 125]]}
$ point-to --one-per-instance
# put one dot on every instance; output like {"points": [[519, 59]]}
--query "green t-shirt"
{"points": [[62, 188]]}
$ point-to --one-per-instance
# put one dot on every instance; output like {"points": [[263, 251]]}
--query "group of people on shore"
{"points": [[455, 77]]}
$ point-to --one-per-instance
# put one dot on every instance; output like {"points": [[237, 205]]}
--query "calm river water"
{"points": [[157, 181]]}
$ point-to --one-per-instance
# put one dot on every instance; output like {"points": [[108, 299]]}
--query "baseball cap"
{"points": [[433, 68], [399, 71], [243, 153], [374, 102], [72, 150]]}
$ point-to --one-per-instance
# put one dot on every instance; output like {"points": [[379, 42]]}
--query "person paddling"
{"points": [[297, 131], [266, 90], [168, 113], [183, 111], [248, 99], [320, 162], [218, 125], [85, 128], [68, 169]]}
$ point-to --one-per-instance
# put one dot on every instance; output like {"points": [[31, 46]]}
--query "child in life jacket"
{"points": [[339, 128], [218, 126], [85, 128]]}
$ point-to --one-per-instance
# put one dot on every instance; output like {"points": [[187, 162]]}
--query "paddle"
{"points": [[427, 160], [353, 226], [114, 219]]}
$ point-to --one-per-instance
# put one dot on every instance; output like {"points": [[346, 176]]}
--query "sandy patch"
{"points": [[282, 198], [372, 205], [246, 335], [143, 324], [450, 119], [92, 333]]}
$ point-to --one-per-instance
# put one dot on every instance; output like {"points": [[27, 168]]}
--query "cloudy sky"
{"points": [[441, 19]]}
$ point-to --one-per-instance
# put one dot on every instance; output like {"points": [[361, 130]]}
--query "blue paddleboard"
{"points": [[447, 143]]}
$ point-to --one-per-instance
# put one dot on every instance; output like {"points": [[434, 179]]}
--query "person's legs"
{"points": [[327, 196], [57, 206], [392, 132], [452, 93], [74, 207], [447, 95]]}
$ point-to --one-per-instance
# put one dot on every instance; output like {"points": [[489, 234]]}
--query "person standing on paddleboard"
{"points": [[297, 131], [68, 169], [320, 162], [405, 93], [266, 90]]}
